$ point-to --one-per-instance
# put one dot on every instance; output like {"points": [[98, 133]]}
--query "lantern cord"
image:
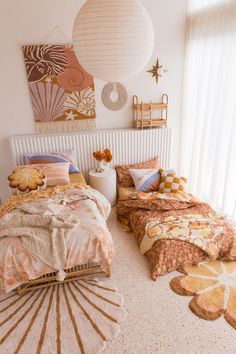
{"points": [[60, 31]]}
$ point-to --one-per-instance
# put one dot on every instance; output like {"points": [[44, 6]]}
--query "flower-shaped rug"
{"points": [[74, 317], [213, 286]]}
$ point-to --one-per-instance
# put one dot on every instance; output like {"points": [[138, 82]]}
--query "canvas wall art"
{"points": [[61, 91]]}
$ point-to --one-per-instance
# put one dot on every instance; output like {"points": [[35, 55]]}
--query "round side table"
{"points": [[105, 183]]}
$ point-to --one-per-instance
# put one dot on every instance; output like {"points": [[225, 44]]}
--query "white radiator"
{"points": [[127, 146]]}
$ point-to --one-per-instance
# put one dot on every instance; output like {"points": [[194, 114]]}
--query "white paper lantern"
{"points": [[113, 39]]}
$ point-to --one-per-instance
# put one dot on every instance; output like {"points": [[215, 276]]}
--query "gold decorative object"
{"points": [[157, 71], [143, 113]]}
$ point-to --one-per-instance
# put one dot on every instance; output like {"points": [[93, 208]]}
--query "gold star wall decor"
{"points": [[157, 71]]}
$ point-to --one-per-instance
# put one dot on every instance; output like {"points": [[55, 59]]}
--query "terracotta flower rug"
{"points": [[75, 317], [213, 287]]}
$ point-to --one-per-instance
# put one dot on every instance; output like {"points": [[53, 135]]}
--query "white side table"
{"points": [[105, 183]]}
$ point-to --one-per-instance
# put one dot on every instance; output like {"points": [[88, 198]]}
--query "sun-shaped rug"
{"points": [[213, 286], [76, 317]]}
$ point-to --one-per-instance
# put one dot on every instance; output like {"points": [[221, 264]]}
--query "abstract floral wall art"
{"points": [[61, 91]]}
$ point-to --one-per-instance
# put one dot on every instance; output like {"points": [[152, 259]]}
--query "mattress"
{"points": [[77, 178]]}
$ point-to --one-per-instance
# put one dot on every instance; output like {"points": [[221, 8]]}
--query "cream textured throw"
{"points": [[45, 236]]}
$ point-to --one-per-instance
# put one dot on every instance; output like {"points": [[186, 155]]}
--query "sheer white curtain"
{"points": [[208, 143]]}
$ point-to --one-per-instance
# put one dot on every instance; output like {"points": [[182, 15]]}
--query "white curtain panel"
{"points": [[208, 144]]}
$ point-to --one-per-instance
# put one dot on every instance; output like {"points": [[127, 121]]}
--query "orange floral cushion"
{"points": [[57, 174], [124, 178], [171, 183], [24, 179]]}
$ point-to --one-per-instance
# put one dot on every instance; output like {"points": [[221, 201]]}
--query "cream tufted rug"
{"points": [[76, 317]]}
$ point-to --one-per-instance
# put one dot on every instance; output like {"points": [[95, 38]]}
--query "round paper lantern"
{"points": [[113, 39]]}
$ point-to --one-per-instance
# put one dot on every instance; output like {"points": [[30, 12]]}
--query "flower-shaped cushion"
{"points": [[24, 179]]}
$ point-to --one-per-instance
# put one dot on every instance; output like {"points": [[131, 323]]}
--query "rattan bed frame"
{"points": [[77, 272], [156, 142]]}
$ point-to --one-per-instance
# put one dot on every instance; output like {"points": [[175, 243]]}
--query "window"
{"points": [[208, 142]]}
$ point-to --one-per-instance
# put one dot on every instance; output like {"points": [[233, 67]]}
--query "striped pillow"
{"points": [[56, 173], [146, 180], [66, 156]]}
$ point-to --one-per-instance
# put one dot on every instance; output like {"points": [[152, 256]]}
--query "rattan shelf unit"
{"points": [[143, 113]]}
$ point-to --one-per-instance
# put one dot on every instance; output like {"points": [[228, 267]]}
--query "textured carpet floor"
{"points": [[158, 320]]}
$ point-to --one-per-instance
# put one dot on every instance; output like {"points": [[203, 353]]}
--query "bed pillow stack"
{"points": [[58, 157], [23, 180], [57, 173], [125, 179]]}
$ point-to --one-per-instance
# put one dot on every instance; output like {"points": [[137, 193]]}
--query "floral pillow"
{"points": [[66, 156], [25, 179], [171, 183], [124, 178]]}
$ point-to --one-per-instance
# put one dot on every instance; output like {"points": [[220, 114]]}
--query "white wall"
{"points": [[30, 21]]}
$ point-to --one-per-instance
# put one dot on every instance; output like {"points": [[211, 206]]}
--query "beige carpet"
{"points": [[71, 318], [158, 320]]}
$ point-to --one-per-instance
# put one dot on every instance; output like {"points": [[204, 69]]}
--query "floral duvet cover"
{"points": [[89, 242], [175, 230]]}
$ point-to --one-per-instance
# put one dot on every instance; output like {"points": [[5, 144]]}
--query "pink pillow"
{"points": [[57, 173]]}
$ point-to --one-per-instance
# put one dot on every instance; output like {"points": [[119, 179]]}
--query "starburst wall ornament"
{"points": [[157, 71]]}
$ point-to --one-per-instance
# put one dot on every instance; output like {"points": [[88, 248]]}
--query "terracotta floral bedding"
{"points": [[89, 241], [175, 230]]}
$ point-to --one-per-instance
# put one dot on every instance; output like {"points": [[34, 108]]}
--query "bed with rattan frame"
{"points": [[77, 272], [156, 142]]}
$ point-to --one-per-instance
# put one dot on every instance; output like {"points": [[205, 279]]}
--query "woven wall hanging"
{"points": [[61, 91], [121, 92]]}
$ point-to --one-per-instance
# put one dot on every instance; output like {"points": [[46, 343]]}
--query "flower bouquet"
{"points": [[104, 158]]}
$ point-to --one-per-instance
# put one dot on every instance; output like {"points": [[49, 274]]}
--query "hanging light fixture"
{"points": [[113, 39]]}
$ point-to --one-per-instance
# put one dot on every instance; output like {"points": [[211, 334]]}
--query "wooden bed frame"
{"points": [[77, 272]]}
